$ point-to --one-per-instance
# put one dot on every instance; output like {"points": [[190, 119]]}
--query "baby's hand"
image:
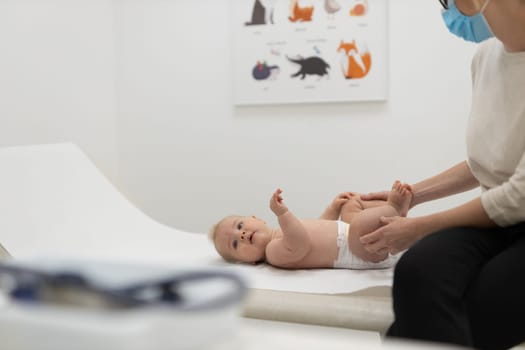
{"points": [[341, 199], [347, 201], [276, 203]]}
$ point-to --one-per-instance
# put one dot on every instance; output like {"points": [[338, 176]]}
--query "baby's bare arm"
{"points": [[295, 236], [333, 211], [329, 214], [294, 245]]}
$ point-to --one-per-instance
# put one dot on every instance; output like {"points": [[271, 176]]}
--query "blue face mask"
{"points": [[471, 28]]}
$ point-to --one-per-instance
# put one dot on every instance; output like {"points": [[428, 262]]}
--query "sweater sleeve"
{"points": [[505, 204]]}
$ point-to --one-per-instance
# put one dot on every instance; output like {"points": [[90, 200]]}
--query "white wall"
{"points": [[183, 153], [188, 157], [57, 80]]}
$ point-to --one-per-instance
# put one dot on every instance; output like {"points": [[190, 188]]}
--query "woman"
{"points": [[463, 279]]}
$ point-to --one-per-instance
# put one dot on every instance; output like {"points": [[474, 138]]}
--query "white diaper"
{"points": [[347, 260]]}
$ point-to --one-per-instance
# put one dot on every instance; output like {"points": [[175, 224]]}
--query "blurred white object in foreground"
{"points": [[87, 304]]}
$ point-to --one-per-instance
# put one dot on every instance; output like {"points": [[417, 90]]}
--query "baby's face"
{"points": [[243, 238]]}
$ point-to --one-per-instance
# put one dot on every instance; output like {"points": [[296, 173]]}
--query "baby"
{"points": [[316, 243]]}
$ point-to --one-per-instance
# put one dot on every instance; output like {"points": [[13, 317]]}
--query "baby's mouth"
{"points": [[251, 237]]}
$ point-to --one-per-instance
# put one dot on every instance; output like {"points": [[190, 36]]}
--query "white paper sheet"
{"points": [[54, 201]]}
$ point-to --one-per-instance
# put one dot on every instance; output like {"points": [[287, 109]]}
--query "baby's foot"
{"points": [[400, 197]]}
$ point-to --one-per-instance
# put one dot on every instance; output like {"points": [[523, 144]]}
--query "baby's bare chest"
{"points": [[322, 250], [322, 234]]}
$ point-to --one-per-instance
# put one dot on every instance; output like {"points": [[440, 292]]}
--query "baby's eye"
{"points": [[239, 226], [235, 244]]}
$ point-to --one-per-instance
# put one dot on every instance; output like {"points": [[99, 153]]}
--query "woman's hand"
{"points": [[397, 235], [276, 203]]}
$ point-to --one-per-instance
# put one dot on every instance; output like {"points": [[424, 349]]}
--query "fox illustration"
{"points": [[300, 14], [355, 61], [359, 8]]}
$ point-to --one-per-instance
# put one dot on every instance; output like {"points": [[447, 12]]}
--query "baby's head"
{"points": [[241, 238]]}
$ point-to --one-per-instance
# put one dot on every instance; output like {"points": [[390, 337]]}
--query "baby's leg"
{"points": [[369, 220], [350, 209], [355, 205], [400, 197]]}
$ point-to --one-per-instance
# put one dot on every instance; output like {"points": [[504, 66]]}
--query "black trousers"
{"points": [[463, 286]]}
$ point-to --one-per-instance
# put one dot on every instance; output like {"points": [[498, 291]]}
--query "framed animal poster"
{"points": [[308, 51]]}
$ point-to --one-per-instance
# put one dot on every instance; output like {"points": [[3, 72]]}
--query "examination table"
{"points": [[54, 200]]}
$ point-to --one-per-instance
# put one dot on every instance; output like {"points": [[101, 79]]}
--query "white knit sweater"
{"points": [[496, 131]]}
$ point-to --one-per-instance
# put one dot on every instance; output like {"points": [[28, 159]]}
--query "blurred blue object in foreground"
{"points": [[85, 304]]}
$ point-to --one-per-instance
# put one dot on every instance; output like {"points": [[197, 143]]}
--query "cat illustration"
{"points": [[262, 71], [300, 14], [262, 12], [355, 61], [360, 8], [310, 66]]}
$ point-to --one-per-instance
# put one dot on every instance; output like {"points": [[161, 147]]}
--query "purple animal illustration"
{"points": [[262, 71]]}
